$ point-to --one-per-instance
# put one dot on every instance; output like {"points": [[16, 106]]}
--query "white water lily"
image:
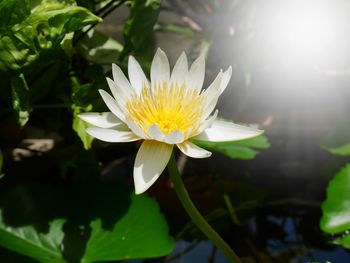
{"points": [[170, 110]]}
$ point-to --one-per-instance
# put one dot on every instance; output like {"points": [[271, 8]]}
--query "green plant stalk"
{"points": [[196, 217]]}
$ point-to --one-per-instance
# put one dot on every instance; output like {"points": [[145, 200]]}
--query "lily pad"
{"points": [[141, 233], [243, 149], [336, 208], [27, 241], [338, 140]]}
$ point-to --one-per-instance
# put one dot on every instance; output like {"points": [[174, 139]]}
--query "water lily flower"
{"points": [[171, 109]]}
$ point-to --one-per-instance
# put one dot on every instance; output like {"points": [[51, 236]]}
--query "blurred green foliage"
{"points": [[338, 140], [335, 209], [27, 241], [243, 149]]}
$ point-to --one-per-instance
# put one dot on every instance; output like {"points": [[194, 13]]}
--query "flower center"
{"points": [[170, 107]]}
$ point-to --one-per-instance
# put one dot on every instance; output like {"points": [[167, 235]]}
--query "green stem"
{"points": [[196, 217]]}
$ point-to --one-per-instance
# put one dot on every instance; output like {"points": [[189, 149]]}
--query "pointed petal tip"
{"points": [[180, 70], [222, 131], [132, 59], [102, 91], [159, 50], [192, 150], [195, 78], [160, 68], [110, 83], [137, 77], [229, 71]]}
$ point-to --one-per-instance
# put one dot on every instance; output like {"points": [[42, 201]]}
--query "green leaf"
{"points": [[336, 208], [141, 233], [338, 140], [98, 48], [50, 21], [80, 98], [13, 54], [20, 99], [12, 12], [243, 149], [139, 27], [43, 29], [27, 241], [80, 127]]}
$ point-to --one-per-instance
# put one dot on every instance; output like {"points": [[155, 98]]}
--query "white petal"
{"points": [[225, 79], [214, 87], [112, 104], [174, 137], [195, 77], [155, 132], [150, 162], [101, 119], [192, 150], [111, 135], [160, 69], [136, 75], [118, 92], [119, 78], [180, 71], [171, 138], [207, 123], [211, 95], [221, 131], [136, 129]]}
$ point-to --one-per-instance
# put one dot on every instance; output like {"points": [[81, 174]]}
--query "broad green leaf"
{"points": [[141, 233], [80, 98], [52, 21], [13, 54], [98, 48], [27, 241], [43, 29], [243, 149], [12, 12], [336, 208], [139, 27], [80, 127], [20, 99], [338, 140], [67, 44]]}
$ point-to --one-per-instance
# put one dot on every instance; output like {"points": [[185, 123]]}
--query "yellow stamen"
{"points": [[171, 108]]}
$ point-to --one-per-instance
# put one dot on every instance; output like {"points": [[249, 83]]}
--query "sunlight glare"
{"points": [[302, 29]]}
